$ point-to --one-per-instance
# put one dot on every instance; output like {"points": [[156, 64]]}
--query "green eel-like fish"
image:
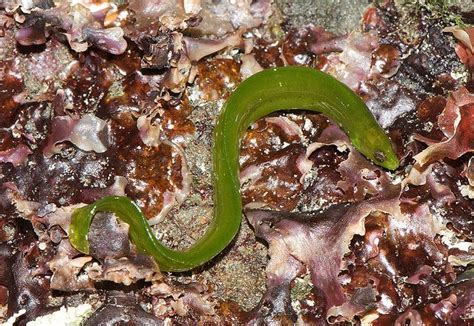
{"points": [[286, 88]]}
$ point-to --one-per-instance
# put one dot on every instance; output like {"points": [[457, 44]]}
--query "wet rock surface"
{"points": [[339, 16]]}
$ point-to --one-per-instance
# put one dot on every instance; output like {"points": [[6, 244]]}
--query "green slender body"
{"points": [[287, 88]]}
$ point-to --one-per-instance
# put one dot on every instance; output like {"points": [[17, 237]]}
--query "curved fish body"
{"points": [[286, 88]]}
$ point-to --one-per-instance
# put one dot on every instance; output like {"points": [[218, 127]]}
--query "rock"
{"points": [[338, 16]]}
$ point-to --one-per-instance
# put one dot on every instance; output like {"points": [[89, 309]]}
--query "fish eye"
{"points": [[380, 156]]}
